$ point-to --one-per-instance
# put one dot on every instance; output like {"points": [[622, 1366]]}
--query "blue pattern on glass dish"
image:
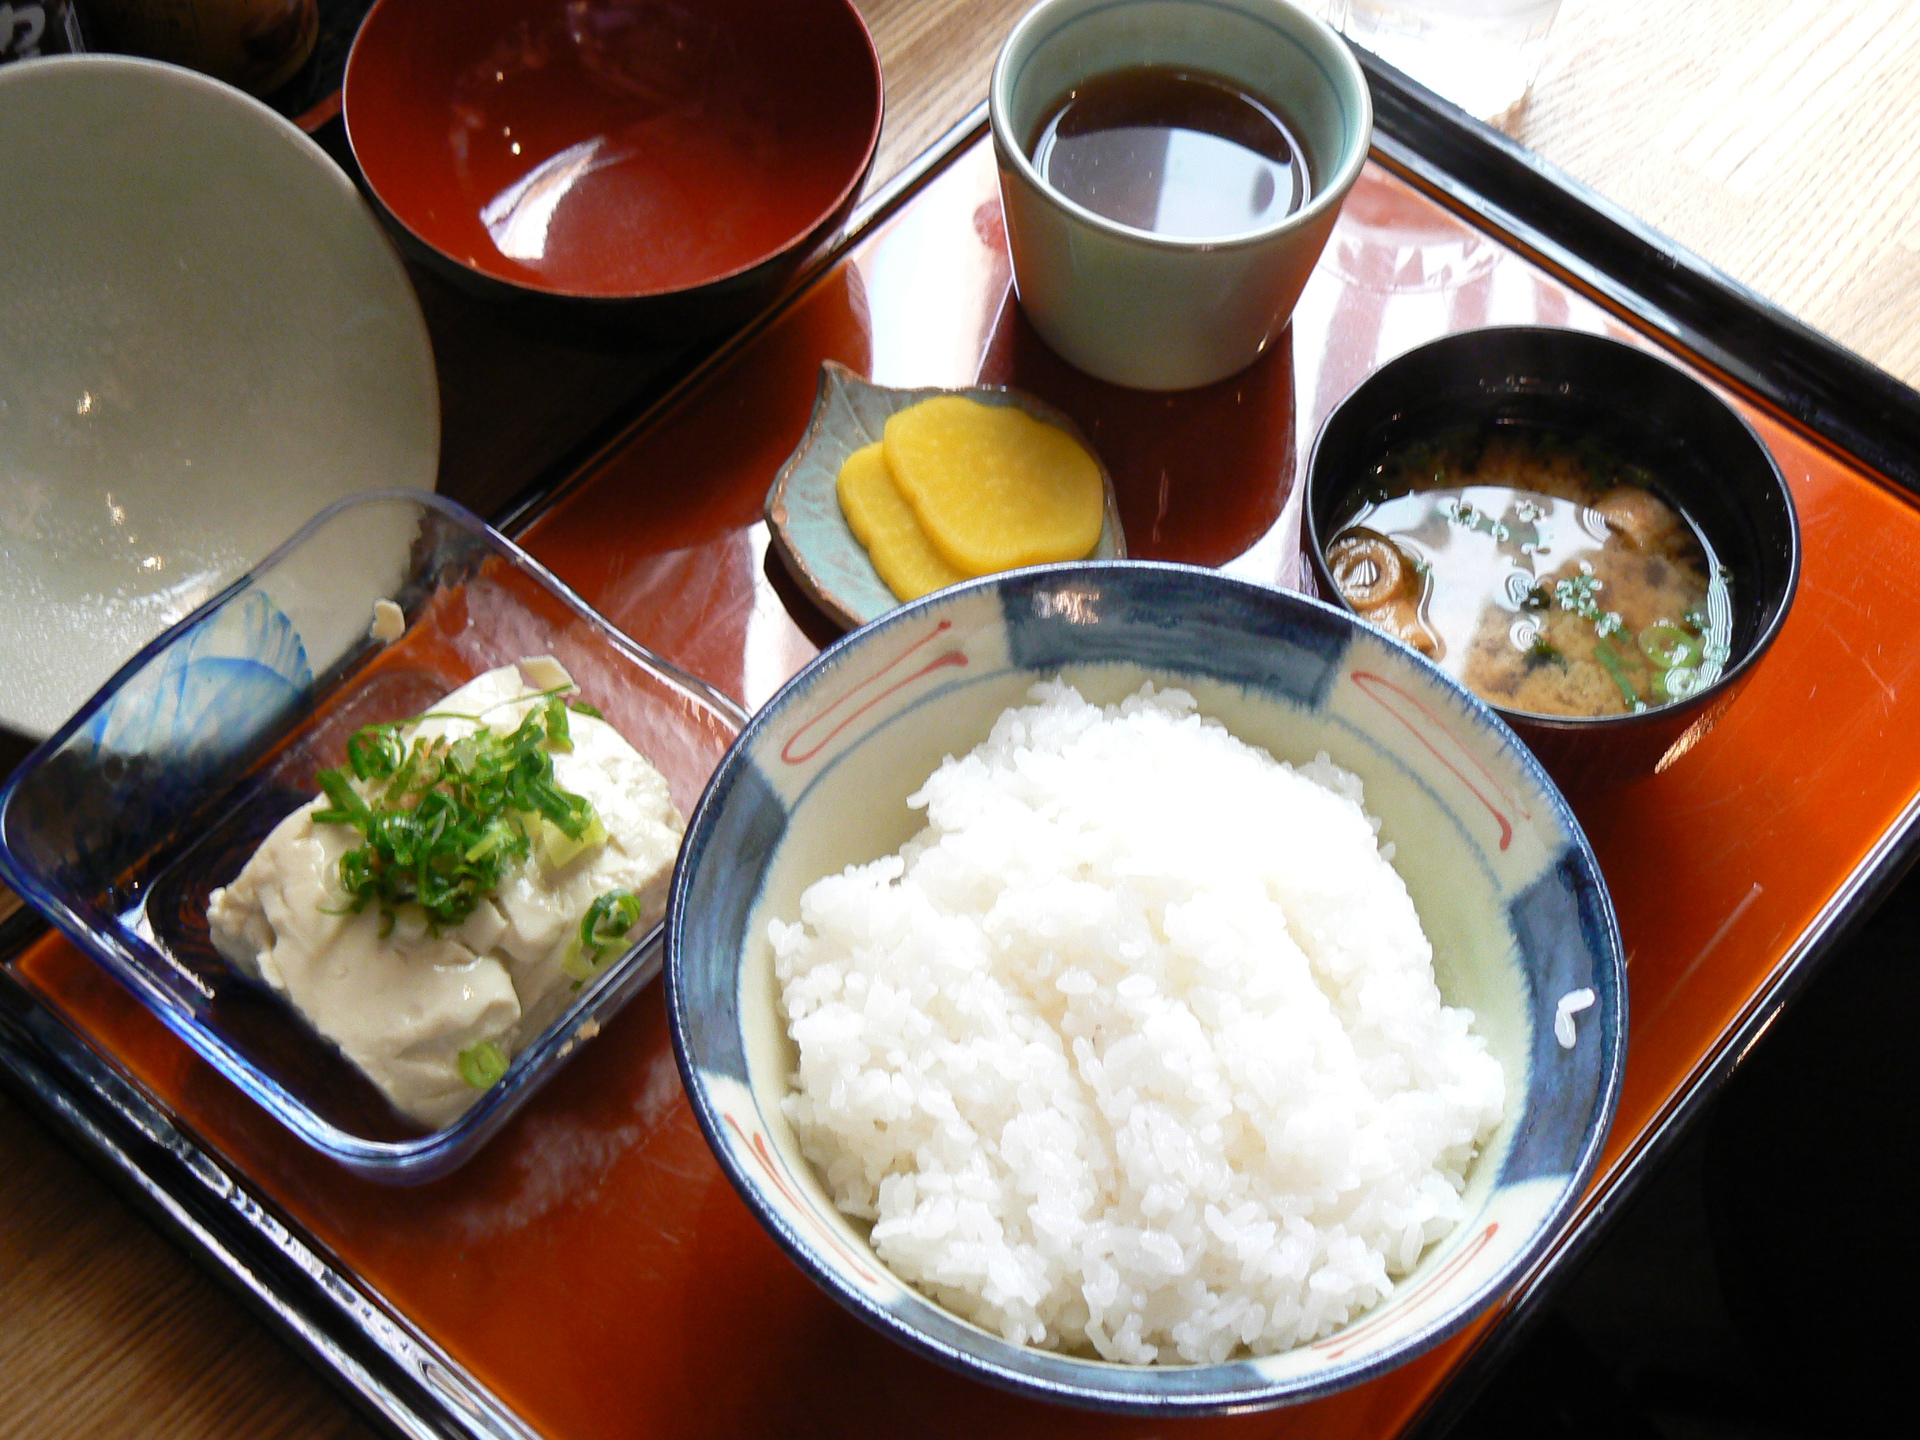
{"points": [[1505, 881], [244, 659], [119, 826], [175, 717]]}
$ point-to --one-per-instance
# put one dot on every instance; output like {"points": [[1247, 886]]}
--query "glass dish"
{"points": [[119, 826]]}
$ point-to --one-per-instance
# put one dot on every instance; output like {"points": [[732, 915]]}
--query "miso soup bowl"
{"points": [[1505, 884], [1707, 460]]}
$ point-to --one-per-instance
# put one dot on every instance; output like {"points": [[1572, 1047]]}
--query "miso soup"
{"points": [[1546, 575]]}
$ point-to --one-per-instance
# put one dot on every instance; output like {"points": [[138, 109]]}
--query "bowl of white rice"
{"points": [[1145, 990]]}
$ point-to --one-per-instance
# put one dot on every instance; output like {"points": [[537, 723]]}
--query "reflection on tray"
{"points": [[1201, 474]]}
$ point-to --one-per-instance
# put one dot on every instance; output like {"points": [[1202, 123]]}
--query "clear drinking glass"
{"points": [[1480, 54]]}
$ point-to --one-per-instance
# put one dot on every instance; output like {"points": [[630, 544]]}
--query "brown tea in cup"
{"points": [[1174, 151]]}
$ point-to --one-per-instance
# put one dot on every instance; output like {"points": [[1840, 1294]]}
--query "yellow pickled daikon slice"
{"points": [[883, 522], [992, 487]]}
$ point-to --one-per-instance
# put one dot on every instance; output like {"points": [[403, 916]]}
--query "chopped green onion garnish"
{"points": [[375, 751], [608, 920], [347, 808], [558, 736], [1668, 645], [444, 820], [603, 929], [481, 1065], [1577, 593], [1603, 652]]}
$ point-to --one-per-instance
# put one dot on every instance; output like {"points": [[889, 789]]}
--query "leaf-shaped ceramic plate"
{"points": [[803, 507]]}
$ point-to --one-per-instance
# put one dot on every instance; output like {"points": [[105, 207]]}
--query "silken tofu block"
{"points": [[403, 1006]]}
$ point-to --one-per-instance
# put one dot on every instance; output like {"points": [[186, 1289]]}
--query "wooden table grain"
{"points": [[1773, 137], [1763, 134]]}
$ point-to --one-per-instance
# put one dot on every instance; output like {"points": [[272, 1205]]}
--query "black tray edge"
{"points": [[402, 1384]]}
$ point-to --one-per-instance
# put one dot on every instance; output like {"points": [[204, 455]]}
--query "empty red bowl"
{"points": [[659, 164]]}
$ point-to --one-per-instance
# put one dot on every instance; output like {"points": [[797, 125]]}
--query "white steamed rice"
{"points": [[1136, 1047]]}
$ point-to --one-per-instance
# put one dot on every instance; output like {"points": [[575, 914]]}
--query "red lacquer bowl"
{"points": [[656, 165]]}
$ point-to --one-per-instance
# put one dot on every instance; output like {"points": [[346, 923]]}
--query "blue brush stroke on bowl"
{"points": [[1560, 920]]}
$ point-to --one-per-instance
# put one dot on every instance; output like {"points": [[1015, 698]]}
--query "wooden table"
{"points": [[1748, 130]]}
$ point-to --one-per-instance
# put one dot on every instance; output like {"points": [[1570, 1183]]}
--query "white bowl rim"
{"points": [[38, 69]]}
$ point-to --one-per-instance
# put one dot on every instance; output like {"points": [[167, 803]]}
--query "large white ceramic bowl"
{"points": [[205, 338], [1506, 887]]}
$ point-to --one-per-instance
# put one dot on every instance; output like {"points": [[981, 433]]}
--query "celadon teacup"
{"points": [[1153, 311]]}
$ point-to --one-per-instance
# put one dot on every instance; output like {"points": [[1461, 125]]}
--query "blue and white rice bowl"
{"points": [[1506, 887]]}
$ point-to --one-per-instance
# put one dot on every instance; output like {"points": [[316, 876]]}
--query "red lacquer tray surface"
{"points": [[595, 1270]]}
